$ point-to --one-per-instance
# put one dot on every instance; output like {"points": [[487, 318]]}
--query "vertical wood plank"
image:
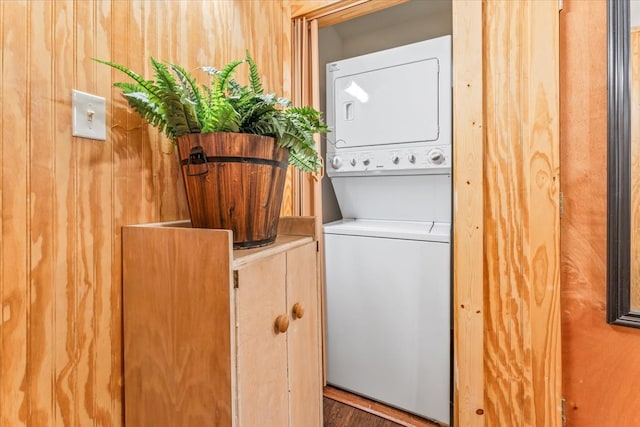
{"points": [[307, 199], [65, 225], [89, 238], [279, 33], [170, 196], [299, 78], [41, 341], [543, 226], [522, 330], [131, 163], [270, 61], [14, 327], [289, 199], [504, 340], [468, 279], [107, 321]]}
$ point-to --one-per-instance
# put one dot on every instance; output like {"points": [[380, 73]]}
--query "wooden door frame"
{"points": [[474, 307]]}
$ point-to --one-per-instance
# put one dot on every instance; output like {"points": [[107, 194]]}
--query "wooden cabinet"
{"points": [[216, 337]]}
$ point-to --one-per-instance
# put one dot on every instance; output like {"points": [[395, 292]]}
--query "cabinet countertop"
{"points": [[242, 257]]}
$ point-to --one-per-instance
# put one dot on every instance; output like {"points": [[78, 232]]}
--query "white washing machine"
{"points": [[388, 311], [387, 263]]}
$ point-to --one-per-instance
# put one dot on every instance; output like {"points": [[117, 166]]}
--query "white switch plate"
{"points": [[88, 115]]}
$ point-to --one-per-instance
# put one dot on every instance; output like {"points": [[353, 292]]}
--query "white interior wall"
{"points": [[414, 30], [410, 22]]}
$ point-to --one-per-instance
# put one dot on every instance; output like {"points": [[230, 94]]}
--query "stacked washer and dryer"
{"points": [[388, 290]]}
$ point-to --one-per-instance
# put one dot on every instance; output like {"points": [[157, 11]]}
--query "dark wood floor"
{"points": [[344, 409], [338, 414]]}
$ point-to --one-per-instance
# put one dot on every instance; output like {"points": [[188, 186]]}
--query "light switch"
{"points": [[88, 115]]}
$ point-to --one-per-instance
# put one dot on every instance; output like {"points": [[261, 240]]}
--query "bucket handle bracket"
{"points": [[197, 156]]}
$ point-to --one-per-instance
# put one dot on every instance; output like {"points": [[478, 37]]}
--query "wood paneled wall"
{"points": [[64, 199], [600, 361]]}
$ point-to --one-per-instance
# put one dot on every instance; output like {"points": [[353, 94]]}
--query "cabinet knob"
{"points": [[298, 310], [282, 323]]}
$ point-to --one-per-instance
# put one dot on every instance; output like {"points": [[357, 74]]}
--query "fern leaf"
{"points": [[234, 88], [254, 76], [147, 105], [192, 97], [283, 102], [152, 113], [212, 71], [224, 77], [177, 121], [190, 87], [222, 118], [146, 85], [304, 163], [129, 87]]}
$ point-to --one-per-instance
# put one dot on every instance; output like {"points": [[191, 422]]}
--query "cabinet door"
{"points": [[177, 332], [261, 350], [305, 369]]}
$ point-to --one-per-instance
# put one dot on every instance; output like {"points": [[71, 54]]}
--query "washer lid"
{"points": [[408, 230]]}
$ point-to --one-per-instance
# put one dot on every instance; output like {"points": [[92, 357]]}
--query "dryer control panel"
{"points": [[417, 159]]}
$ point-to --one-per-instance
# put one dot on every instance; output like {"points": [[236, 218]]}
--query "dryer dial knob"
{"points": [[353, 161], [436, 156], [336, 162], [395, 159], [366, 162], [412, 158]]}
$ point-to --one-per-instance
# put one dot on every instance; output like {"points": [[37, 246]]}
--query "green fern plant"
{"points": [[176, 105]]}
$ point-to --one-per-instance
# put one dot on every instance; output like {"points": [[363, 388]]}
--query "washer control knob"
{"points": [[366, 162], [436, 156], [395, 159], [336, 162], [353, 161], [412, 158]]}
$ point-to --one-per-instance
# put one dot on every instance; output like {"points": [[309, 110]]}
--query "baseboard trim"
{"points": [[395, 415]]}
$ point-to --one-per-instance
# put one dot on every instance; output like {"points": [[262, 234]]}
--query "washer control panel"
{"points": [[433, 159]]}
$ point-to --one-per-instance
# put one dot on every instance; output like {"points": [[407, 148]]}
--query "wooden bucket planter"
{"points": [[234, 181]]}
